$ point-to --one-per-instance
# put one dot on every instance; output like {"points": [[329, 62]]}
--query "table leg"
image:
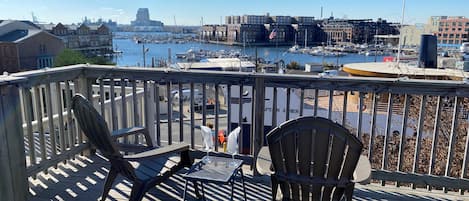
{"points": [[185, 189], [196, 189], [242, 180]]}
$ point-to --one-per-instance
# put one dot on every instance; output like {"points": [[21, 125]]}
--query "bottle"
{"points": [[224, 147]]}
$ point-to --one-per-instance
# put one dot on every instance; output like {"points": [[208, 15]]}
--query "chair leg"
{"points": [[111, 176], [138, 191], [349, 192], [274, 184]]}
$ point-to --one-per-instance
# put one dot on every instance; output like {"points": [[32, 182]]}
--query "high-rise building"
{"points": [[144, 23]]}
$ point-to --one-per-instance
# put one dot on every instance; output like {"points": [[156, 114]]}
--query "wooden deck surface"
{"points": [[83, 179]]}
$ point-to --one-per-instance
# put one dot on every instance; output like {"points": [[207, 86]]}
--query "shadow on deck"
{"points": [[83, 179]]}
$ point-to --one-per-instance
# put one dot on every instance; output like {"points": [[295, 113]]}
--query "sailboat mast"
{"points": [[400, 34]]}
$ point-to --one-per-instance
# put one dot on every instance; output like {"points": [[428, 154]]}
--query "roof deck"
{"points": [[414, 131]]}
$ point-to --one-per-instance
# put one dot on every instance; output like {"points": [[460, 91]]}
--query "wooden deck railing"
{"points": [[415, 132]]}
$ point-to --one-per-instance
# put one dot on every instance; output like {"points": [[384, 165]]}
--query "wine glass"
{"points": [[232, 146], [208, 142]]}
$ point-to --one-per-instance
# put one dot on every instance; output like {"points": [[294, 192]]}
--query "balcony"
{"points": [[423, 125]]}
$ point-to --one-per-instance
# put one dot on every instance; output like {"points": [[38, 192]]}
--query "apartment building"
{"points": [[24, 46], [452, 30]]}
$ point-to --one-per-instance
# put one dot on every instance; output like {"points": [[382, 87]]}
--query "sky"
{"points": [[190, 12]]}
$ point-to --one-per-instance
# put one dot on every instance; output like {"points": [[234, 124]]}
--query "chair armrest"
{"points": [[132, 131], [133, 148], [127, 131], [176, 148], [362, 173]]}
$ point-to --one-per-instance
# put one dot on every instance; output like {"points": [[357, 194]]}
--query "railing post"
{"points": [[84, 86], [13, 182], [257, 128]]}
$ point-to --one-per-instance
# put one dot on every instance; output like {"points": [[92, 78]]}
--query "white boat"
{"points": [[294, 49], [464, 48]]}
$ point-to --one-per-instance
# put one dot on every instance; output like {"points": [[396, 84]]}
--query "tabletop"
{"points": [[218, 170]]}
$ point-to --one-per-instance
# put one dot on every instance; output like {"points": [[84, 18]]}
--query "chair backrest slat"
{"points": [[289, 149], [313, 155], [305, 139]]}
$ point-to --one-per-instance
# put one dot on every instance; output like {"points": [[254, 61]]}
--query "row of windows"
{"points": [[453, 29], [452, 35], [446, 24], [43, 62], [450, 41]]}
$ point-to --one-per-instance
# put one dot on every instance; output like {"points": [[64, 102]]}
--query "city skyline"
{"points": [[184, 12]]}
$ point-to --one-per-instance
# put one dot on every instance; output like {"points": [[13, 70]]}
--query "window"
{"points": [[42, 49]]}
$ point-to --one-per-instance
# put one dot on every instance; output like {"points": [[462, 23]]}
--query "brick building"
{"points": [[452, 30], [337, 31], [24, 46], [293, 30]]}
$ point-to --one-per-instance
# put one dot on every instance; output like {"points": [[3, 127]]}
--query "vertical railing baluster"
{"points": [[384, 164], [102, 97], [181, 113], [147, 100], [436, 130], [192, 109], [344, 109], [40, 127], [204, 104], [50, 117], [136, 116], [302, 101], [287, 107], [454, 128], [124, 108], [70, 126], [330, 109], [240, 118], [274, 108], [418, 141], [158, 112], [170, 113], [58, 91], [228, 102], [29, 128], [217, 110], [360, 114], [316, 102], [465, 159], [402, 140], [373, 125], [112, 95]]}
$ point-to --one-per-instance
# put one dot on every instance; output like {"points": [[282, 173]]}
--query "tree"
{"points": [[71, 57]]}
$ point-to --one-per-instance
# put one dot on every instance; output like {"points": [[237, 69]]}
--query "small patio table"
{"points": [[220, 171]]}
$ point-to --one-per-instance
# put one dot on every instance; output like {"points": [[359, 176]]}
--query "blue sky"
{"points": [[190, 12]]}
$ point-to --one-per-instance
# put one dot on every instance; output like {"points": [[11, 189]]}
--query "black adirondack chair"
{"points": [[145, 169], [313, 158]]}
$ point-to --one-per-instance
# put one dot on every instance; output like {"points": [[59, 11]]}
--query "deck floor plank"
{"points": [[83, 179]]}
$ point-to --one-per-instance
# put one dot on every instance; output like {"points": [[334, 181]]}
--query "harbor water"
{"points": [[132, 52]]}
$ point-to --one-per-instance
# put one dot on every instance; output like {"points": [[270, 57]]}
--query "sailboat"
{"points": [[296, 48]]}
